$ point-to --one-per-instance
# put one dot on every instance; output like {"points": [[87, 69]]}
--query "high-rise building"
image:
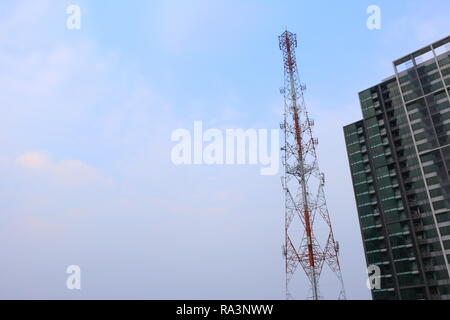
{"points": [[399, 158]]}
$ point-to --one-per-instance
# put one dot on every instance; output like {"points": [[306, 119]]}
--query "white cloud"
{"points": [[34, 160], [39, 226], [66, 171]]}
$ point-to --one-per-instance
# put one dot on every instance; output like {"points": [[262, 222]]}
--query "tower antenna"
{"points": [[309, 239]]}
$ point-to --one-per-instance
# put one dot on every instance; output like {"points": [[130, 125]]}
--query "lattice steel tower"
{"points": [[309, 240]]}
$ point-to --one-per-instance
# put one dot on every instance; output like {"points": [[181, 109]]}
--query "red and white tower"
{"points": [[309, 241]]}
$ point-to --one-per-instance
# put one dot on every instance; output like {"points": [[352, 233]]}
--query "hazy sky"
{"points": [[85, 123]]}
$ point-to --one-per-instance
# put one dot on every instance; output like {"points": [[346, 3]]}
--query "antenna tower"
{"points": [[309, 240]]}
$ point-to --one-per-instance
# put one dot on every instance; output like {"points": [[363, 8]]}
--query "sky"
{"points": [[85, 135]]}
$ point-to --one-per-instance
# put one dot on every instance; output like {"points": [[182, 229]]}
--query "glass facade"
{"points": [[399, 157]]}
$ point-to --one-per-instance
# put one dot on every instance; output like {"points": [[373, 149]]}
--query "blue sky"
{"points": [[85, 134]]}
